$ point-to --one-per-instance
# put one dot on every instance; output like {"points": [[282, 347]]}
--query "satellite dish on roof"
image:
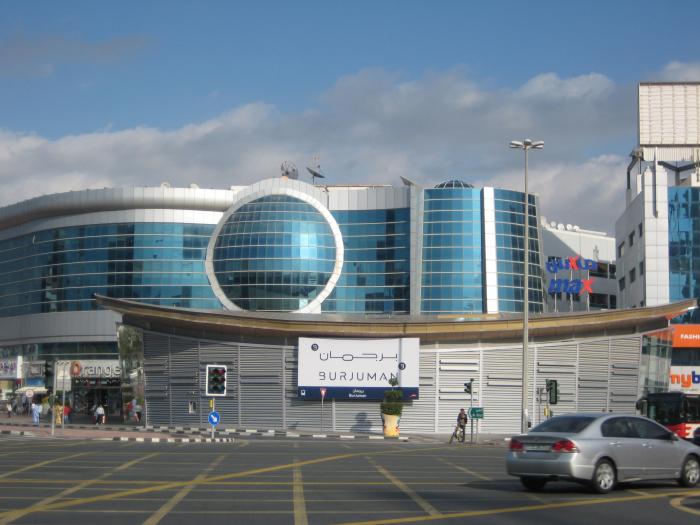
{"points": [[316, 170], [315, 174], [289, 170]]}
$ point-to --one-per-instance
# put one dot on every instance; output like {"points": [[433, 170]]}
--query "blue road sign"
{"points": [[214, 418]]}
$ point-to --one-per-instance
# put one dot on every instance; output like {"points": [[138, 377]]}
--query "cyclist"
{"points": [[462, 419]]}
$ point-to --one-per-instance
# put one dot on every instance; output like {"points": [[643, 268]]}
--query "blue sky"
{"points": [[220, 93]]}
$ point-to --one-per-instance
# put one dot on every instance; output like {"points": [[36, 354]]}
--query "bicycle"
{"points": [[458, 434]]}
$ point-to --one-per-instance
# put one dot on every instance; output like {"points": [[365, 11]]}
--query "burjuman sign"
{"points": [[357, 368]]}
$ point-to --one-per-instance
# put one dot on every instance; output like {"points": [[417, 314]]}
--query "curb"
{"points": [[15, 433], [168, 440], [222, 435]]}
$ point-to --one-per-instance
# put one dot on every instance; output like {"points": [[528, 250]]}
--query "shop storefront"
{"points": [[92, 382], [10, 373]]}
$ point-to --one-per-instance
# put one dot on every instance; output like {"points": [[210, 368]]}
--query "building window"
{"points": [[621, 283], [633, 275], [612, 269], [631, 239], [641, 268], [600, 271], [598, 300], [621, 250], [641, 230], [613, 301]]}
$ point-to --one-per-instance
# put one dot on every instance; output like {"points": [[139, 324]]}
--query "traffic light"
{"points": [[552, 391], [468, 386], [48, 373], [216, 380]]}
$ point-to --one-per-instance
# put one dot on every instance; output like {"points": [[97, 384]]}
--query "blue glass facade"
{"points": [[58, 270], [376, 269], [279, 253], [275, 253], [510, 243], [683, 243], [452, 280]]}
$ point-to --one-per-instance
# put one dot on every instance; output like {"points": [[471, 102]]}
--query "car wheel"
{"points": [[604, 477], [533, 483], [690, 473]]}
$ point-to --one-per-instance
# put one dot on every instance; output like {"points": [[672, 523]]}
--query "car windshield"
{"points": [[564, 424]]}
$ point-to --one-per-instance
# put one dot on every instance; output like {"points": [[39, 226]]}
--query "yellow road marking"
{"points": [[639, 492], [420, 501], [521, 508], [677, 503], [12, 516], [300, 517], [214, 479], [181, 494], [41, 464], [463, 469]]}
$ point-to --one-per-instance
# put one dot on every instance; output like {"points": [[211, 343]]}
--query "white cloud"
{"points": [[372, 126], [681, 71], [550, 87]]}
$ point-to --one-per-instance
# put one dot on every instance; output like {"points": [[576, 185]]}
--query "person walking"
{"points": [[99, 415], [36, 413], [66, 413], [8, 406]]}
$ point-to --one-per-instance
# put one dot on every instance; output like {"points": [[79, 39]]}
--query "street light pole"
{"points": [[526, 145]]}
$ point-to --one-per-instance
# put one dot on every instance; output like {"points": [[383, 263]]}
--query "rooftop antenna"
{"points": [[289, 170], [316, 170]]}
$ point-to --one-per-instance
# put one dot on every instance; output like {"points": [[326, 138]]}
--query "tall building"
{"points": [[658, 235]]}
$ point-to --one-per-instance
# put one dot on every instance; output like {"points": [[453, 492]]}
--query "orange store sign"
{"points": [[686, 336]]}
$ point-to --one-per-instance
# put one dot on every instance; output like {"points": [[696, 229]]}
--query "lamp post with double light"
{"points": [[526, 145]]}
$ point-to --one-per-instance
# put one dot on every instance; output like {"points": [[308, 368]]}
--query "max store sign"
{"points": [[571, 286]]}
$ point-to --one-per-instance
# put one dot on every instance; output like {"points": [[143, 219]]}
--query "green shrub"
{"points": [[393, 399]]}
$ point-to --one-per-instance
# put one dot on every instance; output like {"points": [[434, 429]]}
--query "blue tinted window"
{"points": [[375, 275], [510, 251], [452, 251], [275, 253], [60, 269], [684, 243]]}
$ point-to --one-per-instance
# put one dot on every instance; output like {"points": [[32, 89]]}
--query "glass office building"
{"points": [[371, 249], [278, 245]]}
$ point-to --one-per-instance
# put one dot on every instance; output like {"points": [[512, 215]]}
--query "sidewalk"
{"points": [[85, 429], [22, 425]]}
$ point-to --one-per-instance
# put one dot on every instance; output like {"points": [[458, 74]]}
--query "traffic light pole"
{"points": [[471, 412]]}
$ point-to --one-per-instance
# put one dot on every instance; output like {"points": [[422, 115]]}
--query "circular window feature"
{"points": [[275, 253]]}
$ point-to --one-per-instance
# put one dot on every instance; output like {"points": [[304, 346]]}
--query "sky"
{"points": [[98, 94]]}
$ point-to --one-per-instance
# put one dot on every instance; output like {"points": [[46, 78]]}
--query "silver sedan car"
{"points": [[601, 450]]}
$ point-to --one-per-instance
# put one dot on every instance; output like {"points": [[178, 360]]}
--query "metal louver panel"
{"points": [[502, 373], [556, 362], [454, 368], [260, 381], [156, 362], [419, 414], [624, 374], [184, 381], [593, 376], [300, 414], [359, 416]]}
